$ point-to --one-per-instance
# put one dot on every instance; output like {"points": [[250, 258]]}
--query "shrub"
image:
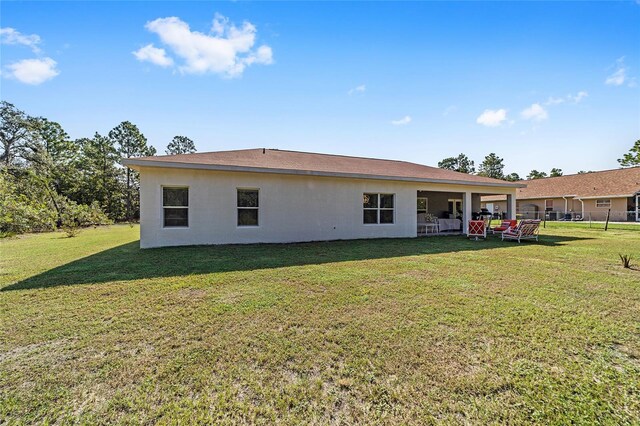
{"points": [[20, 213], [626, 260], [73, 216]]}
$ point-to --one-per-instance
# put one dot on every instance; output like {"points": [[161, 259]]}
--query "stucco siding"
{"points": [[618, 209], [291, 208]]}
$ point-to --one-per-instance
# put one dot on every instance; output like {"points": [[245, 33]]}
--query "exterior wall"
{"points": [[618, 210], [292, 208]]}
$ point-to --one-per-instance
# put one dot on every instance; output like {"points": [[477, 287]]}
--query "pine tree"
{"points": [[130, 142], [181, 145]]}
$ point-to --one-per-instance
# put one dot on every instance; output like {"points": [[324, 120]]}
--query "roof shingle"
{"points": [[282, 161], [607, 183]]}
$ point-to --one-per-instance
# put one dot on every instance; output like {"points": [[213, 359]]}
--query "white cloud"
{"points": [[33, 71], [154, 55], [402, 122], [358, 89], [619, 76], [226, 50], [578, 98], [492, 118], [12, 36], [535, 112], [554, 101]]}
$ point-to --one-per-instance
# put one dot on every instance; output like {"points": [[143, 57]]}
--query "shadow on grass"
{"points": [[128, 262]]}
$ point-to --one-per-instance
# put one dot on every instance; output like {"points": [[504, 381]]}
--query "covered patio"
{"points": [[448, 212]]}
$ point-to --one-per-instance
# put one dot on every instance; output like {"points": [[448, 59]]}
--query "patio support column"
{"points": [[466, 212], [511, 206]]}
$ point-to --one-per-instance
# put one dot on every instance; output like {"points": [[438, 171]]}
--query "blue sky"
{"points": [[542, 84]]}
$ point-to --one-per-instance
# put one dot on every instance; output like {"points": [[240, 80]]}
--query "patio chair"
{"points": [[477, 229], [526, 230], [504, 225]]}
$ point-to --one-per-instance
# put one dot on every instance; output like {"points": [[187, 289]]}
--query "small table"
{"points": [[433, 226]]}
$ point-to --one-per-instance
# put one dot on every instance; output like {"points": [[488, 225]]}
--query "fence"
{"points": [[572, 216]]}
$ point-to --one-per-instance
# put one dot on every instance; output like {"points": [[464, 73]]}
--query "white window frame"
{"points": [[248, 208], [426, 205], [163, 207], [455, 201], [603, 203], [379, 209]]}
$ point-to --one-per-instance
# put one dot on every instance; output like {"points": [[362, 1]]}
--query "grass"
{"points": [[596, 226], [407, 331]]}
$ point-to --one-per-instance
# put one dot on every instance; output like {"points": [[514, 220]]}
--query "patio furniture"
{"points": [[527, 229], [426, 224], [449, 224], [477, 229], [504, 225]]}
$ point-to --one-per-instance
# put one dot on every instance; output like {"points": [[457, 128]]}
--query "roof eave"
{"points": [[594, 197], [136, 163]]}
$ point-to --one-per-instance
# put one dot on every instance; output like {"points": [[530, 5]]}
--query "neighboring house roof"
{"points": [[607, 183], [293, 162]]}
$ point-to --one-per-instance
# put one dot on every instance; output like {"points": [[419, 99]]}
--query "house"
{"points": [[582, 196], [277, 196]]}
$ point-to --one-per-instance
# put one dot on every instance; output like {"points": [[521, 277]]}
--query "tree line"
{"points": [[493, 166], [49, 180]]}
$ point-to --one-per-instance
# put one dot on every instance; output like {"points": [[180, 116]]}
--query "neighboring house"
{"points": [[274, 196], [582, 196]]}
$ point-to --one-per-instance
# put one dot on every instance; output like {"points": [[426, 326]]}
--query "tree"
{"points": [[16, 131], [632, 158], [461, 164], [555, 172], [181, 145], [582, 172], [534, 174], [101, 178], [24, 207], [130, 142], [492, 166], [54, 153], [48, 180], [512, 177]]}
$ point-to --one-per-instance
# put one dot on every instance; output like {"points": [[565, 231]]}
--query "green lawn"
{"points": [[599, 226], [408, 331]]}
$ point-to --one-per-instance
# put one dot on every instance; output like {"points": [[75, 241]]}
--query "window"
{"points": [[175, 206], [377, 208], [247, 207], [603, 203], [548, 204], [423, 205], [454, 207]]}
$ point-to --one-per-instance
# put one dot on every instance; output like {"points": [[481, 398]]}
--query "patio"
{"points": [[448, 213]]}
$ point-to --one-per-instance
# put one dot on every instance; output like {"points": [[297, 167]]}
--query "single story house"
{"points": [[276, 196], [581, 196]]}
